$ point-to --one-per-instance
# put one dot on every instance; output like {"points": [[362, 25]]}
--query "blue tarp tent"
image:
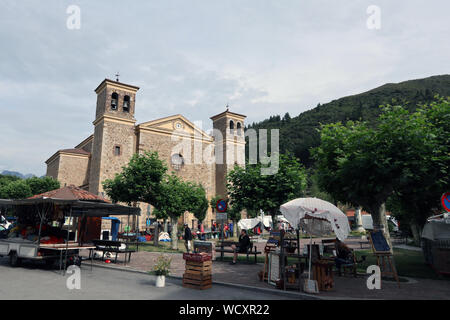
{"points": [[114, 227]]}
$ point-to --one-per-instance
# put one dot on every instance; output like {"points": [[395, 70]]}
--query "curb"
{"points": [[233, 285]]}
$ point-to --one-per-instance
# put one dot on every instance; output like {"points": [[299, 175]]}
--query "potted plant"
{"points": [[161, 269]]}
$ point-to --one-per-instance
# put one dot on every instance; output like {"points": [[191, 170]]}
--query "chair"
{"points": [[352, 265]]}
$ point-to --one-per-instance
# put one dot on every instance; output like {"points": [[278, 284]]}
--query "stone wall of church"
{"points": [[73, 169], [106, 163], [104, 103], [96, 159], [202, 173], [52, 168]]}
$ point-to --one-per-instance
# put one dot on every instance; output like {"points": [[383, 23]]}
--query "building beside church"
{"points": [[188, 150]]}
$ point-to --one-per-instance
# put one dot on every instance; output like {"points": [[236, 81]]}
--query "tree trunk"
{"points": [[274, 221], [380, 222], [156, 234], [358, 220], [174, 234], [415, 233]]}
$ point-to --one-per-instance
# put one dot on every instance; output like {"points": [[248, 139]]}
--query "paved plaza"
{"points": [[346, 287]]}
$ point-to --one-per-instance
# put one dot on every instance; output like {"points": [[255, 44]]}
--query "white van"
{"points": [[367, 222]]}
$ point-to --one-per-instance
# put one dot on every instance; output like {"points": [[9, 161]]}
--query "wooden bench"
{"points": [[361, 243], [113, 247], [224, 245]]}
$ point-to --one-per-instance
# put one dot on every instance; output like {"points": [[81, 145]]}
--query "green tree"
{"points": [[364, 165], [249, 189], [420, 198], [174, 199], [17, 189], [139, 181], [43, 184], [199, 202], [7, 179]]}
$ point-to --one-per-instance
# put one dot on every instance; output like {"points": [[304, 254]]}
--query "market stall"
{"points": [[436, 243], [317, 218], [52, 229]]}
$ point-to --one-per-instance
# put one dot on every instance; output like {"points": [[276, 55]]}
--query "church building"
{"points": [[180, 143]]}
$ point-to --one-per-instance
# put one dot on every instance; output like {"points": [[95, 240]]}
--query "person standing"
{"points": [[187, 237], [225, 230]]}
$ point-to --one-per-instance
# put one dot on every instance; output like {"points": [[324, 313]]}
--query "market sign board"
{"points": [[445, 200], [221, 216], [274, 268]]}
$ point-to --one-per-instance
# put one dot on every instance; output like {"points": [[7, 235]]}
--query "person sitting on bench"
{"points": [[343, 255], [242, 247]]}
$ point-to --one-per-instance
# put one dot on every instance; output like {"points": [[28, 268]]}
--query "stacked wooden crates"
{"points": [[197, 274]]}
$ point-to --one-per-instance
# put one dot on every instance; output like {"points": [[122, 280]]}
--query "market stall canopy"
{"points": [[266, 220], [436, 230], [5, 203], [247, 224], [317, 216], [81, 202], [80, 207], [70, 192]]}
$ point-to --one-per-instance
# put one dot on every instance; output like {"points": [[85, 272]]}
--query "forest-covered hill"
{"points": [[298, 134]]}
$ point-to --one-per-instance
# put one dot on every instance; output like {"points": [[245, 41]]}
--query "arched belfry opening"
{"points": [[126, 103], [114, 100]]}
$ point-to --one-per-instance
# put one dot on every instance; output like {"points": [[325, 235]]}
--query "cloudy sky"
{"points": [[195, 56]]}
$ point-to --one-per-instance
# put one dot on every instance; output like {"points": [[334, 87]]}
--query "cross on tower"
{"points": [[117, 76]]}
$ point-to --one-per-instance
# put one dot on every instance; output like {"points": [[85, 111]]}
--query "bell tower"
{"points": [[229, 140], [114, 134]]}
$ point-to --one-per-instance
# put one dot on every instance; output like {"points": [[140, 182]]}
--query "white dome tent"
{"points": [[317, 217]]}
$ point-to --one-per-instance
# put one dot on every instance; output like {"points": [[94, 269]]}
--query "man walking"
{"points": [[187, 237]]}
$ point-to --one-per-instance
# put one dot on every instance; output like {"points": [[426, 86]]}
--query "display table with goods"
{"points": [[198, 272], [317, 218], [286, 263]]}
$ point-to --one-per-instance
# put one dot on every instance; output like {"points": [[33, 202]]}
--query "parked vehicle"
{"points": [[4, 223], [367, 222]]}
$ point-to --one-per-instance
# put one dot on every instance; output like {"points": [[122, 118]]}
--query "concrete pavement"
{"points": [[37, 282]]}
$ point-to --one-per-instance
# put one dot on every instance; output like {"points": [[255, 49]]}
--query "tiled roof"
{"points": [[351, 213], [70, 193]]}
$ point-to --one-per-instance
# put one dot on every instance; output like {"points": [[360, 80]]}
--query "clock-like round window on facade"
{"points": [[178, 125], [177, 161]]}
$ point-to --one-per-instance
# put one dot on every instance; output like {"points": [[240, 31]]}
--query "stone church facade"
{"points": [[187, 150]]}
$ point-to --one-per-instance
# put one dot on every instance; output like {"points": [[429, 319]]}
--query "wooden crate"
{"points": [[197, 287], [199, 268], [195, 276], [198, 274]]}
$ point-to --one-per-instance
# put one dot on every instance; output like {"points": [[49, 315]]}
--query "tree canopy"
{"points": [[365, 165], [139, 181], [12, 187], [249, 189]]}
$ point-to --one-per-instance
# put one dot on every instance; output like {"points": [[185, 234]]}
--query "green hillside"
{"points": [[299, 134]]}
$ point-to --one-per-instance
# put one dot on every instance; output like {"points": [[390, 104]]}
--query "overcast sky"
{"points": [[195, 56]]}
